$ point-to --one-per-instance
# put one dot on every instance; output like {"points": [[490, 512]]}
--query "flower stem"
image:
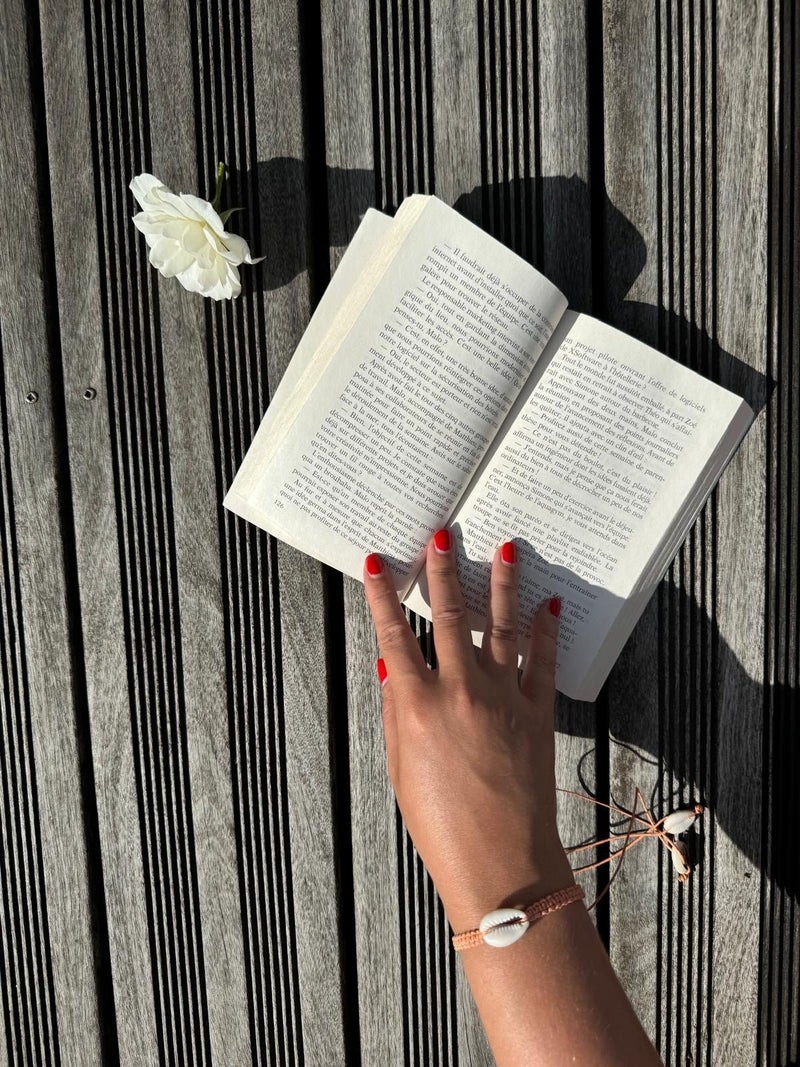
{"points": [[218, 190]]}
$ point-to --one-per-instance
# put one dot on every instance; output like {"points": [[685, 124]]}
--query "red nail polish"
{"points": [[555, 605], [442, 540], [374, 564], [382, 672], [508, 553]]}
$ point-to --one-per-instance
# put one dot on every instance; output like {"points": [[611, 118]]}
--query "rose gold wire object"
{"points": [[554, 902], [654, 828], [562, 897]]}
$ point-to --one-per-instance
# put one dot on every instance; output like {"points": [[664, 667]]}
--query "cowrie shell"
{"points": [[497, 935], [678, 822]]}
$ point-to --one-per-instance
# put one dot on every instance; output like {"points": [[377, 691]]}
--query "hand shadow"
{"points": [[554, 214]]}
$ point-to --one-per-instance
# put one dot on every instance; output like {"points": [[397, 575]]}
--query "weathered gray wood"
{"points": [[350, 160], [460, 180], [566, 244], [396, 982], [305, 705], [182, 317], [124, 534], [47, 972], [779, 1002], [682, 694], [501, 66], [219, 756], [742, 107], [630, 102]]}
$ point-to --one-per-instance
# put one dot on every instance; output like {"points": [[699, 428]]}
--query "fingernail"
{"points": [[374, 564], [555, 605], [382, 672], [442, 541], [508, 553]]}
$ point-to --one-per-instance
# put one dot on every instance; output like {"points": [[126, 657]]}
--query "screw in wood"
{"points": [[89, 394], [32, 397]]}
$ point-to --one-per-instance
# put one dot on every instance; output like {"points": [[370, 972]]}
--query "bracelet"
{"points": [[507, 925]]}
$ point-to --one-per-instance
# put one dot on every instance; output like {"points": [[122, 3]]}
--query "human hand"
{"points": [[470, 746]]}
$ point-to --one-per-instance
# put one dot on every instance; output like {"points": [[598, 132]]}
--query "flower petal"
{"points": [[233, 248], [162, 251], [234, 283], [194, 239], [205, 211], [206, 257], [176, 205], [150, 222], [202, 281], [142, 185], [178, 262]]}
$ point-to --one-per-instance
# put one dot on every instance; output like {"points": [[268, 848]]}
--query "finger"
{"points": [[451, 633], [538, 681], [398, 645], [501, 635], [389, 719]]}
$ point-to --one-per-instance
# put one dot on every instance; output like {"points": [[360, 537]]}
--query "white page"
{"points": [[633, 607], [372, 229], [370, 232], [402, 414], [603, 448]]}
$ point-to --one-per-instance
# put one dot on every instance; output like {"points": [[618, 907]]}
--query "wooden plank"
{"points": [[49, 997], [779, 1001], [461, 179], [125, 539], [741, 129], [630, 98], [303, 709], [566, 257], [171, 67], [249, 80], [375, 155], [682, 692], [508, 173], [375, 829]]}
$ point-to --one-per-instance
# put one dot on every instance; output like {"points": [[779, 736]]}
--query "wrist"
{"points": [[505, 884]]}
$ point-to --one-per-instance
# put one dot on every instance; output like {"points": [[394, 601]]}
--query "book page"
{"points": [[401, 416], [370, 232], [601, 452]]}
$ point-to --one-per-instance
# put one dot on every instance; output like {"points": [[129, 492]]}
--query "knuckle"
{"points": [[443, 563], [450, 615], [394, 634], [504, 630], [548, 643], [505, 582]]}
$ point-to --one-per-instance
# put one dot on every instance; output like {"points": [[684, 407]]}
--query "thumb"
{"points": [[538, 682]]}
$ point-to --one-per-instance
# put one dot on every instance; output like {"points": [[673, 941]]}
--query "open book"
{"points": [[442, 382]]}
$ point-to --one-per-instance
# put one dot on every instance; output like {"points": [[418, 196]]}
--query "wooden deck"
{"points": [[202, 858]]}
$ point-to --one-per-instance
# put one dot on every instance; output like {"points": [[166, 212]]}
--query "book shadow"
{"points": [[545, 220], [680, 728]]}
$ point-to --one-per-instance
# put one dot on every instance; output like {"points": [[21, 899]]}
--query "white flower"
{"points": [[188, 241]]}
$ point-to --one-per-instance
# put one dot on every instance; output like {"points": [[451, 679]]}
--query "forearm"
{"points": [[552, 997]]}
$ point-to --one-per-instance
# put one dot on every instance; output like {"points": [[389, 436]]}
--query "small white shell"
{"points": [[678, 822], [497, 935], [680, 857]]}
